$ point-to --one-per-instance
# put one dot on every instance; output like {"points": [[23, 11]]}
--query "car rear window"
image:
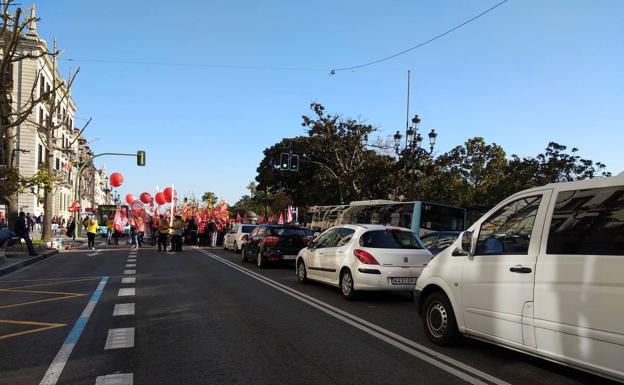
{"points": [[389, 239], [247, 229], [285, 231]]}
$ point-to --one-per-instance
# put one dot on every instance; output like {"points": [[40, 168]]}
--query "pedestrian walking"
{"points": [[163, 231], [110, 224], [212, 234], [178, 234], [21, 230], [92, 227], [192, 229], [71, 227]]}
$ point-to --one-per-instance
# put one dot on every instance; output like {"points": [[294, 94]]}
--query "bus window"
{"points": [[442, 218]]}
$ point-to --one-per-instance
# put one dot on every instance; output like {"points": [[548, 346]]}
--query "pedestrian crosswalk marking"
{"points": [[119, 338]]}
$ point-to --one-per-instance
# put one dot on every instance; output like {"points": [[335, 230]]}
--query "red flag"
{"points": [[271, 219], [280, 220], [120, 220], [289, 216], [238, 218]]}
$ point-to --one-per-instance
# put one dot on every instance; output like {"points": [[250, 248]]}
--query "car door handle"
{"points": [[520, 269]]}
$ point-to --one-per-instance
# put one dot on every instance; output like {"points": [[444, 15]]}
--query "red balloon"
{"points": [[170, 194], [116, 179], [160, 198], [145, 198], [130, 198]]}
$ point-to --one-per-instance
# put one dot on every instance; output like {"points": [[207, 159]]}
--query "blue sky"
{"points": [[529, 72]]}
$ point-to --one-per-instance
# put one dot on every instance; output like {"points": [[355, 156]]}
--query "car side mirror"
{"points": [[465, 246]]}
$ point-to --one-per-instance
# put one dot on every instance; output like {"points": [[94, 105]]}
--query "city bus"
{"points": [[104, 212], [421, 217]]}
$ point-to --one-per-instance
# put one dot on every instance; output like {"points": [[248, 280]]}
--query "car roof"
{"points": [[612, 181], [370, 227]]}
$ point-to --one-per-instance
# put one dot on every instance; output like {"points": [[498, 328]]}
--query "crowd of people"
{"points": [[186, 232]]}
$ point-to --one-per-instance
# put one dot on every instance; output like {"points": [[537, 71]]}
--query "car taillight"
{"points": [[365, 257], [271, 240]]}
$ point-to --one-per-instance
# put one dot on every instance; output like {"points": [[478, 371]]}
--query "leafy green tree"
{"points": [[209, 198]]}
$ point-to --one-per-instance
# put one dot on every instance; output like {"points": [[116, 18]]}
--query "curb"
{"points": [[18, 265]]}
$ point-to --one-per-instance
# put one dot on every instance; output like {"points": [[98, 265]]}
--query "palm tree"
{"points": [[209, 198]]}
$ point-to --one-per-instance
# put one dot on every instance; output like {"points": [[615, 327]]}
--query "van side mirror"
{"points": [[466, 243]]}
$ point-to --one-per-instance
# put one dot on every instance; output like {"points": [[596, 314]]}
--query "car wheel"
{"points": [[346, 285], [243, 255], [439, 320], [260, 260], [302, 274]]}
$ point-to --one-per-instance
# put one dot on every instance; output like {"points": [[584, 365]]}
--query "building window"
{"points": [[41, 85], [40, 156], [58, 164]]}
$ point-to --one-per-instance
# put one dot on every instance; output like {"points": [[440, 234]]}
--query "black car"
{"points": [[274, 243], [439, 240]]}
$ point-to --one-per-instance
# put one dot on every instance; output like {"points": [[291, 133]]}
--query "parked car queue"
{"points": [[540, 273]]}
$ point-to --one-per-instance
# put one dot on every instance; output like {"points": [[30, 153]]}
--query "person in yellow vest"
{"points": [[163, 231], [92, 227]]}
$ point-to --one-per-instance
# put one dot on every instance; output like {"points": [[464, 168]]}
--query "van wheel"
{"points": [[302, 275], [439, 320], [346, 285], [243, 255]]}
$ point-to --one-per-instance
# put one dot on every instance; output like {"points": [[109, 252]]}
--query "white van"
{"points": [[542, 273]]}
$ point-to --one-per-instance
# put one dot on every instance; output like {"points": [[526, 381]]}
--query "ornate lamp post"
{"points": [[413, 152]]}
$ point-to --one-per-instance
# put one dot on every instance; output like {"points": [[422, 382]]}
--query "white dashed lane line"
{"points": [[127, 280], [123, 309], [119, 338], [129, 272], [126, 292], [115, 379]]}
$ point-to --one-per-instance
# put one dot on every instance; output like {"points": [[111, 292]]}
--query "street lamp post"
{"points": [[413, 152]]}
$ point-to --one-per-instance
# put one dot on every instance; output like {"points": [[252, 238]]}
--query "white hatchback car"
{"points": [[364, 257], [233, 240]]}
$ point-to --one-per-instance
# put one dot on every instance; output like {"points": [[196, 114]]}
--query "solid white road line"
{"points": [[126, 292], [433, 357], [58, 364], [122, 309], [115, 379], [119, 338], [128, 280]]}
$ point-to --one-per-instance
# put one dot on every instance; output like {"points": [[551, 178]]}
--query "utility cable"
{"points": [[333, 72]]}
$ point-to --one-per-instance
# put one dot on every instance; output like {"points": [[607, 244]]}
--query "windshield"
{"points": [[390, 239], [247, 229]]}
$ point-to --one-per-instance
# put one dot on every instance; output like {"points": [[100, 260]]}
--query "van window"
{"points": [[588, 222], [508, 231]]}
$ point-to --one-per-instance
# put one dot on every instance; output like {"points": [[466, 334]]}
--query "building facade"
{"points": [[34, 76]]}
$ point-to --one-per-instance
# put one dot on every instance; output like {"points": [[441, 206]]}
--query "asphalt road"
{"points": [[204, 317]]}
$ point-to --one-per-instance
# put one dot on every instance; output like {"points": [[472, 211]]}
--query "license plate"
{"points": [[289, 257], [403, 280]]}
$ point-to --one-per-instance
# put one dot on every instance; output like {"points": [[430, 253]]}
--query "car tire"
{"points": [[243, 255], [302, 274], [347, 288], [260, 262], [439, 320]]}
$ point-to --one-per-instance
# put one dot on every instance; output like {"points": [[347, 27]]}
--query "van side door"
{"points": [[498, 276]]}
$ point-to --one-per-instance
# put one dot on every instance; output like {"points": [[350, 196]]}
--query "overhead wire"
{"points": [[286, 68], [333, 71]]}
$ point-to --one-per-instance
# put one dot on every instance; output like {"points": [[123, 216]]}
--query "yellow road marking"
{"points": [[51, 283], [45, 326], [45, 279]]}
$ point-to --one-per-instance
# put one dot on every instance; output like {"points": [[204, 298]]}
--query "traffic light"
{"points": [[140, 158], [294, 162], [284, 161]]}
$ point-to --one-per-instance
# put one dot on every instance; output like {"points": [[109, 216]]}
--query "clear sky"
{"points": [[529, 72]]}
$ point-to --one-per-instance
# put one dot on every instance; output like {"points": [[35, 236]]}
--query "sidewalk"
{"points": [[16, 261]]}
